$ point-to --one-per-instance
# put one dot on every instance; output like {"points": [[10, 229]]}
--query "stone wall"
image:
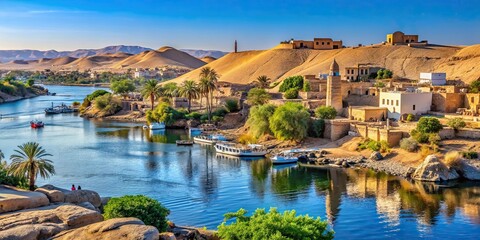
{"points": [[312, 95], [336, 129], [441, 104], [362, 100], [449, 133], [392, 137]]}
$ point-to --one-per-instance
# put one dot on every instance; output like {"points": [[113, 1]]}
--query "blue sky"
{"points": [[260, 24]]}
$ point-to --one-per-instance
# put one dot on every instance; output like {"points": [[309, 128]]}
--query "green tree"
{"points": [[208, 85], [149, 210], [295, 82], [231, 105], [163, 113], [258, 96], [325, 112], [90, 97], [122, 87], [189, 90], [258, 119], [429, 125], [273, 225], [456, 123], [30, 161], [291, 94], [290, 122], [30, 82], [170, 90], [151, 91], [317, 127], [262, 81], [474, 87], [108, 104], [306, 86]]}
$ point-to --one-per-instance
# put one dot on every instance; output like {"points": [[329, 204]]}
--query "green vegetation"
{"points": [[258, 120], [384, 74], [122, 87], [262, 82], [170, 90], [149, 210], [410, 117], [295, 82], [470, 155], [9, 179], [474, 87], [108, 104], [231, 105], [409, 144], [306, 86], [29, 161], [189, 90], [208, 85], [378, 146], [258, 96], [325, 112], [90, 97], [273, 225], [429, 125], [194, 115], [456, 123], [16, 88], [290, 122], [151, 91], [317, 127], [30, 82], [291, 94], [247, 139], [379, 84]]}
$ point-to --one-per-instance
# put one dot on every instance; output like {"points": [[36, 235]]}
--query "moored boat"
{"points": [[36, 124], [250, 150], [289, 156], [209, 139], [155, 126], [184, 142], [59, 109]]}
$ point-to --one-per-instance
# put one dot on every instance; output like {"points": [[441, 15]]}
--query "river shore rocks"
{"points": [[433, 170], [13, 199]]}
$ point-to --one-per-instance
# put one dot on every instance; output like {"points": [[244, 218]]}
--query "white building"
{"points": [[403, 103], [434, 79]]}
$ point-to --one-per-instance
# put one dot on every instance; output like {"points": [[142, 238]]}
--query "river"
{"points": [[198, 187]]}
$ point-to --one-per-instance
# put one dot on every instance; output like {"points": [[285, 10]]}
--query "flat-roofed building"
{"points": [[400, 104], [401, 38], [359, 72], [433, 79]]}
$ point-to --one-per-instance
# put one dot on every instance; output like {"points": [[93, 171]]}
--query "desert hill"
{"points": [[208, 59], [406, 62], [162, 56]]}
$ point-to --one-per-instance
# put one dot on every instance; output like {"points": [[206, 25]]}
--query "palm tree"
{"points": [[208, 84], [262, 81], [30, 161], [151, 90], [189, 90], [1, 156]]}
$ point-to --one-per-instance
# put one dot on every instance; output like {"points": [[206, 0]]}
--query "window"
{"points": [[393, 109], [472, 99], [413, 107], [397, 103], [388, 101], [328, 43], [323, 43], [316, 43], [383, 101]]}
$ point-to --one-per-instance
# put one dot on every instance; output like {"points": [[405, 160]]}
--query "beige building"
{"points": [[334, 88], [357, 73], [401, 38], [317, 43], [367, 113]]}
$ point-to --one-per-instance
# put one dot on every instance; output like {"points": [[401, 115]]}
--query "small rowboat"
{"points": [[36, 124], [184, 142]]}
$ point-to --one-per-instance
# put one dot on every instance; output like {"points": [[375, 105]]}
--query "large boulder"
{"points": [[471, 169], [45, 222], [54, 195], [13, 199], [433, 170], [117, 228], [376, 156], [75, 197]]}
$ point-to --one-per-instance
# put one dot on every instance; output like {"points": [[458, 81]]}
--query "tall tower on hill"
{"points": [[236, 46], [334, 88]]}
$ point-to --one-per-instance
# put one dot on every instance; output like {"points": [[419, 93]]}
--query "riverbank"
{"points": [[7, 98], [106, 85]]}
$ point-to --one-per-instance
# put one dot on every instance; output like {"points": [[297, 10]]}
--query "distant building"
{"points": [[434, 79], [354, 74], [401, 38], [317, 43], [400, 104]]}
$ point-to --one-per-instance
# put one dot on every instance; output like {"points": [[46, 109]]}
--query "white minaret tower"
{"points": [[334, 88]]}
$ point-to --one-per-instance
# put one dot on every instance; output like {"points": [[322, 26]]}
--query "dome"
{"points": [[334, 66]]}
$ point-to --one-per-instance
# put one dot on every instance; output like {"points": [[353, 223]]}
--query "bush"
{"points": [[164, 113], [470, 155], [231, 105], [149, 210], [474, 86], [316, 128], [379, 84], [217, 119], [325, 112], [418, 136], [434, 138], [456, 123], [306, 86], [258, 96], [204, 118], [425, 151], [429, 125], [453, 159], [108, 104], [377, 146], [97, 93], [122, 87], [295, 82], [273, 225], [8, 179], [194, 115], [290, 122], [410, 117], [246, 139], [291, 94], [258, 120], [221, 112], [384, 73], [409, 144]]}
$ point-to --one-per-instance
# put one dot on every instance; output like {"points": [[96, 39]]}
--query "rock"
{"points": [[88, 205], [13, 199], [433, 170], [338, 162], [116, 228], [45, 222], [324, 152], [167, 236], [80, 196], [312, 155], [345, 164], [318, 155], [104, 201], [471, 169], [376, 156], [303, 159], [53, 194], [410, 172]]}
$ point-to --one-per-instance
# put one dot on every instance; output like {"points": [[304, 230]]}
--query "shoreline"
{"points": [[104, 85]]}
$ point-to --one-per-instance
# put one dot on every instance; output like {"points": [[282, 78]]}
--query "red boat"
{"points": [[36, 124]]}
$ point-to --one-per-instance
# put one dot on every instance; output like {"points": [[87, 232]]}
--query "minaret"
{"points": [[236, 46], [334, 88]]}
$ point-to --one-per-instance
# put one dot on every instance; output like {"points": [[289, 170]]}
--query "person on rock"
{"points": [[79, 188], [73, 187]]}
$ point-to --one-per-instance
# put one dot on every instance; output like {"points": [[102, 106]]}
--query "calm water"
{"points": [[115, 159]]}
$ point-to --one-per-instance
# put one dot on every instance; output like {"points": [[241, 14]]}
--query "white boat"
{"points": [[155, 126], [250, 150], [194, 131], [288, 156], [209, 139]]}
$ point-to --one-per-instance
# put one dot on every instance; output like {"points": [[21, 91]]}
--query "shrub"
{"points": [[290, 122], [246, 139], [291, 94], [384, 73], [434, 138], [221, 112], [295, 82], [217, 119], [379, 84], [8, 179], [149, 210], [410, 117], [194, 115], [317, 127], [108, 104], [258, 96], [204, 118], [377, 146], [122, 87], [306, 86], [429, 125], [273, 225], [409, 144], [456, 123], [258, 120], [418, 136], [97, 93], [231, 105], [325, 112], [474, 86], [453, 159], [164, 113], [470, 155], [425, 151]]}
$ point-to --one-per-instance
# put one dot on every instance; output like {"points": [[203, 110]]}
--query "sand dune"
{"points": [[404, 61], [160, 57], [208, 59]]}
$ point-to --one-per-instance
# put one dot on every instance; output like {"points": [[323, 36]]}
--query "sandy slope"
{"points": [[208, 59], [404, 61]]}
